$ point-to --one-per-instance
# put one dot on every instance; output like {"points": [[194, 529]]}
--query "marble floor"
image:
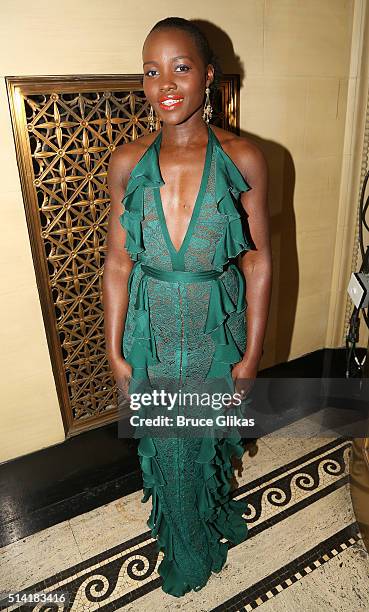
{"points": [[304, 550]]}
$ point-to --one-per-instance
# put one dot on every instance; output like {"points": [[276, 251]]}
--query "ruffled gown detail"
{"points": [[192, 333]]}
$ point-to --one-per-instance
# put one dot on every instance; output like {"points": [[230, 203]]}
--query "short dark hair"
{"points": [[207, 54]]}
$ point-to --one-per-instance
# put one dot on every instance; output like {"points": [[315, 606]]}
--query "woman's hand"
{"points": [[122, 373], [244, 374]]}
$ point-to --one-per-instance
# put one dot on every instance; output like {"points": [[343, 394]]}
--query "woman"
{"points": [[177, 296]]}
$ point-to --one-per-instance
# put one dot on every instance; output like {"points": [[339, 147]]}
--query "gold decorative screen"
{"points": [[65, 129]]}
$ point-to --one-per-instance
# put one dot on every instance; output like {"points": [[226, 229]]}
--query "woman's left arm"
{"points": [[256, 265]]}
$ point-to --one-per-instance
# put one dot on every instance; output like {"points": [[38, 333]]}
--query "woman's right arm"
{"points": [[117, 268]]}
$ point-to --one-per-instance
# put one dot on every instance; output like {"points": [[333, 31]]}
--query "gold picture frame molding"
{"points": [[62, 165]]}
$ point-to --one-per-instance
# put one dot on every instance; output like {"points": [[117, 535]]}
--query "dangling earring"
{"points": [[208, 109], [151, 120]]}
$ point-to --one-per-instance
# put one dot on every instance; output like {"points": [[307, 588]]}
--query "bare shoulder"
{"points": [[125, 157], [245, 153]]}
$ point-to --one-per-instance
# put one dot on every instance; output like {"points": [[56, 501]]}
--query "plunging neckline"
{"points": [[196, 209]]}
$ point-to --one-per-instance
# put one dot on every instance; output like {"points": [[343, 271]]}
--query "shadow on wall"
{"points": [[281, 212]]}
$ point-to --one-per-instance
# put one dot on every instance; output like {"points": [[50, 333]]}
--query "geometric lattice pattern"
{"points": [[64, 136]]}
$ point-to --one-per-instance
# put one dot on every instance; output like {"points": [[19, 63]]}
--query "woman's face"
{"points": [[175, 77]]}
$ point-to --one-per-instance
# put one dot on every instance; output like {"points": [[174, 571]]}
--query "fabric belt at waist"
{"points": [[175, 276]]}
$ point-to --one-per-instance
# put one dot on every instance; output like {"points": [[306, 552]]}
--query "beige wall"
{"points": [[296, 58]]}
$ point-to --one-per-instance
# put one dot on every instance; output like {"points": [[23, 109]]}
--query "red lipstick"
{"points": [[170, 102]]}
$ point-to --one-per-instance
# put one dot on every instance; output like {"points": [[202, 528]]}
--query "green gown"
{"points": [[186, 323]]}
